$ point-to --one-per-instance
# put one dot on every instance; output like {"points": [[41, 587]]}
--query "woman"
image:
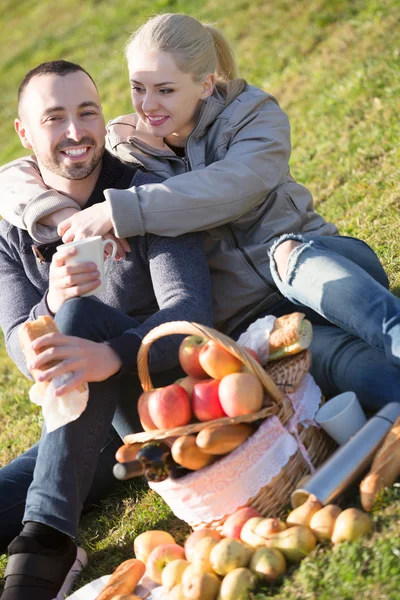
{"points": [[223, 147]]}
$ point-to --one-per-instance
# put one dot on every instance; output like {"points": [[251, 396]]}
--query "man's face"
{"points": [[62, 121]]}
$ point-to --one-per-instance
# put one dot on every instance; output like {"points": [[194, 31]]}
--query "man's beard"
{"points": [[77, 170]]}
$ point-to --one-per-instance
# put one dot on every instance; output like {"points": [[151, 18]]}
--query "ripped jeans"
{"points": [[339, 283]]}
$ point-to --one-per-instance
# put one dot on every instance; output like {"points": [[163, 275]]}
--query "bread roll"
{"points": [[385, 468], [291, 334], [31, 330], [123, 580]]}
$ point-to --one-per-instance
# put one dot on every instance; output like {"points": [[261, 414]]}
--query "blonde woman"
{"points": [[223, 149]]}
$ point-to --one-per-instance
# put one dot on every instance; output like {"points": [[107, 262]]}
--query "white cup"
{"points": [[92, 250], [341, 417]]}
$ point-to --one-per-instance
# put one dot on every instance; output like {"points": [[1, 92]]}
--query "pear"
{"points": [[302, 514], [176, 593], [201, 555], [202, 586], [295, 543], [172, 573], [237, 585], [268, 526], [268, 563], [350, 525], [229, 554], [248, 533], [322, 523]]}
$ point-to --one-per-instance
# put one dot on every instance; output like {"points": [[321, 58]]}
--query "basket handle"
{"points": [[185, 327]]}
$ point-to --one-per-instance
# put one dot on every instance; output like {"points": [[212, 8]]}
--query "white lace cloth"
{"points": [[221, 488]]}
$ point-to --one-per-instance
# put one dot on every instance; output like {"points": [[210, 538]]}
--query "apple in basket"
{"points": [[143, 411], [240, 394], [170, 407], [188, 383], [189, 352], [205, 400], [217, 361]]}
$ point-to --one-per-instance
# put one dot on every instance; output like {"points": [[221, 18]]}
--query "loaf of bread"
{"points": [[123, 580], [385, 468], [31, 330], [291, 334]]}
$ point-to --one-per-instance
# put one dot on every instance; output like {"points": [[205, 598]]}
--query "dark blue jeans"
{"points": [[72, 466]]}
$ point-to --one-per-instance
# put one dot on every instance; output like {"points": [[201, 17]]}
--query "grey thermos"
{"points": [[349, 461]]}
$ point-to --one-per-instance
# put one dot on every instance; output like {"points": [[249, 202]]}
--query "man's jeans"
{"points": [[339, 281], [74, 462]]}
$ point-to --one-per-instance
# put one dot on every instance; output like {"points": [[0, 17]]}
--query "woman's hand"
{"points": [[87, 361], [69, 280], [91, 221]]}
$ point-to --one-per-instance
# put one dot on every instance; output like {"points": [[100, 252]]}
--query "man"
{"points": [[160, 280]]}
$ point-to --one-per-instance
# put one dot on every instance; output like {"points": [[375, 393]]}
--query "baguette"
{"points": [[385, 468], [31, 330], [291, 334], [123, 580]]}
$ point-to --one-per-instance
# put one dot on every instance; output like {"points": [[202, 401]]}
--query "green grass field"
{"points": [[334, 67]]}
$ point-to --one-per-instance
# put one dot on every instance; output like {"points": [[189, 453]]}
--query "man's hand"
{"points": [[91, 221], [87, 361], [69, 280]]}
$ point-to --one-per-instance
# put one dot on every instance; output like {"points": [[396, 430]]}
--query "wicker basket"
{"points": [[271, 499]]}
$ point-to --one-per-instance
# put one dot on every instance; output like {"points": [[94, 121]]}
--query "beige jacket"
{"points": [[234, 184]]}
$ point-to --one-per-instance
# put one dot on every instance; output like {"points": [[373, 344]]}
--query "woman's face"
{"points": [[167, 100]]}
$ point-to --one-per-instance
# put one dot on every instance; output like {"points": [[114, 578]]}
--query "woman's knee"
{"points": [[281, 255], [75, 316]]}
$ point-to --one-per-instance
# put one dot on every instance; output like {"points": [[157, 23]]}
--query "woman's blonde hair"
{"points": [[197, 48]]}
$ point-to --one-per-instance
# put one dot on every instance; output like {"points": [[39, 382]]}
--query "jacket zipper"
{"points": [[246, 256]]}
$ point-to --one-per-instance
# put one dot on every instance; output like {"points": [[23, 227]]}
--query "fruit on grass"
{"points": [[221, 439], [170, 407], [188, 383], [186, 452], [248, 534], [269, 525], [143, 411], [172, 573], [127, 452], [189, 351], [205, 401], [218, 362], [148, 540], [237, 585], [268, 563], [323, 522], [302, 515], [234, 523], [201, 586], [229, 554], [350, 525], [195, 537], [201, 556], [240, 394], [295, 543], [160, 557]]}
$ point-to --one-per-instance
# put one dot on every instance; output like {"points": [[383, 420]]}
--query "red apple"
{"points": [[218, 362], [240, 394], [193, 539], [145, 542], [189, 351], [170, 407], [143, 410], [205, 401], [160, 557], [253, 353], [234, 523], [188, 383]]}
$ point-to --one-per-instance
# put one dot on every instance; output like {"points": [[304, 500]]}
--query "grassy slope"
{"points": [[333, 65]]}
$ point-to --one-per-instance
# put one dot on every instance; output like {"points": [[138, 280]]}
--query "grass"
{"points": [[333, 65]]}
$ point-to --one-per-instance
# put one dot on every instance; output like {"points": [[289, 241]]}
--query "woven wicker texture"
{"points": [[280, 377]]}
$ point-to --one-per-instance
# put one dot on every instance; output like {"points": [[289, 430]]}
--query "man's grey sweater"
{"points": [[161, 279]]}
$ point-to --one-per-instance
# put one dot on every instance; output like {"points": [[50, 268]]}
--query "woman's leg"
{"points": [[343, 281]]}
